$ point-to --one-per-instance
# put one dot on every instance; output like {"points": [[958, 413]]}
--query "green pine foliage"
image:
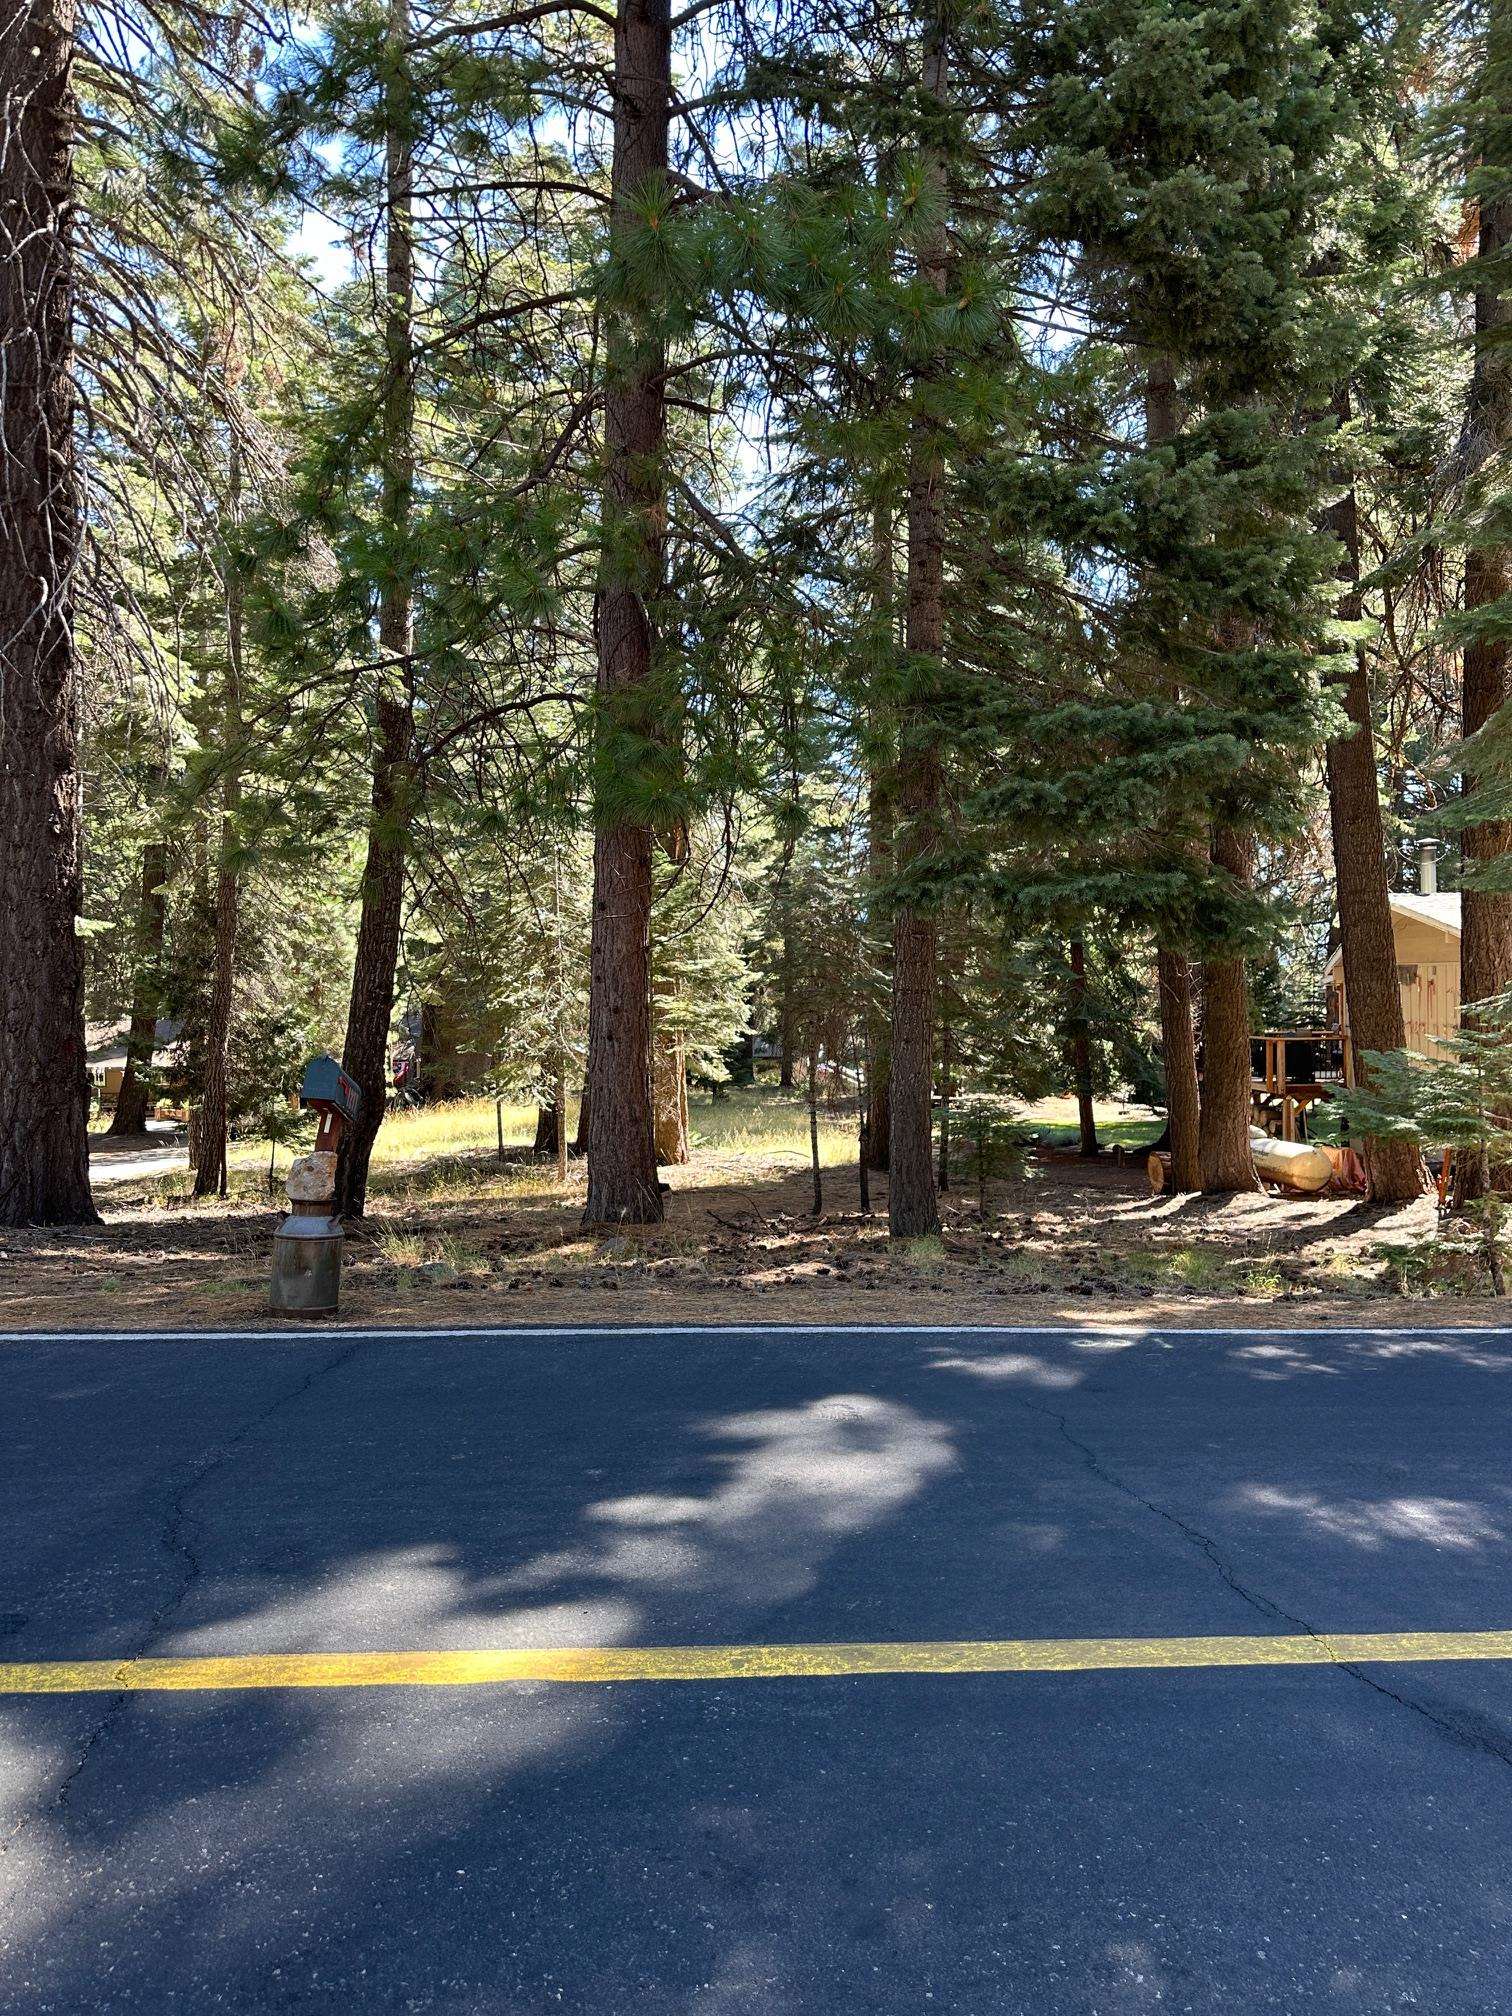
{"points": [[1204, 272]]}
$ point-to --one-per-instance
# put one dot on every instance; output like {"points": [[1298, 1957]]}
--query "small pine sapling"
{"points": [[1459, 1100]]}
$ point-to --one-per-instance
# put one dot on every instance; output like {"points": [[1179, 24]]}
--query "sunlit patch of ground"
{"points": [[455, 1234]]}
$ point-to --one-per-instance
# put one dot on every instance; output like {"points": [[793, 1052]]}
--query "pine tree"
{"points": [[1485, 444], [1393, 1168], [622, 1180], [44, 1090], [913, 1210], [210, 1159], [1380, 228], [1486, 942], [1184, 174], [364, 1055]]}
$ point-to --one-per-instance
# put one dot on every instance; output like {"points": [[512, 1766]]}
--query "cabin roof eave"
{"points": [[1442, 912]]}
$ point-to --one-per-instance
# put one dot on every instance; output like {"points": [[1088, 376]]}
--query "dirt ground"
{"points": [[474, 1242]]}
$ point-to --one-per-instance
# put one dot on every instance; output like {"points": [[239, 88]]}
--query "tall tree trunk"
{"points": [[913, 1206], [203, 910], [1486, 915], [133, 1099], [1178, 1043], [1394, 1169], [210, 1171], [364, 1055], [210, 1174], [370, 1010], [879, 843], [559, 1050], [669, 1086], [580, 1139], [879, 1104], [787, 1005], [44, 1079], [1227, 1161], [622, 1180], [813, 1119], [548, 1129], [863, 1172], [1081, 1052]]}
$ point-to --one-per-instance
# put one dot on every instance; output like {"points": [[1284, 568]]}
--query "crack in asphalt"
{"points": [[175, 1543], [1466, 1738]]}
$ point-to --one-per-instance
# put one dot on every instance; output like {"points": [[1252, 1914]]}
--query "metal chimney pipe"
{"points": [[1427, 867]]}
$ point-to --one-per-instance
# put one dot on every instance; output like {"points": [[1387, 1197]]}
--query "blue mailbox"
{"points": [[328, 1089]]}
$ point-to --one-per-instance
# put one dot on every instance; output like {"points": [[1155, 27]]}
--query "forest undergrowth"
{"points": [[455, 1234]]}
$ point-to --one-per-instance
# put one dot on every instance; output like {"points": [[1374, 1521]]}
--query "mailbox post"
{"points": [[307, 1246]]}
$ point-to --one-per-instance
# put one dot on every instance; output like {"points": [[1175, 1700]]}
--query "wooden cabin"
{"points": [[1426, 928], [1295, 1069]]}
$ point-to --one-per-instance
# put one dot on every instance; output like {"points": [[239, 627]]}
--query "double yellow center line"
{"points": [[601, 1665]]}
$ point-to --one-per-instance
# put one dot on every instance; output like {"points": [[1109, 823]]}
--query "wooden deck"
{"points": [[1299, 1068]]}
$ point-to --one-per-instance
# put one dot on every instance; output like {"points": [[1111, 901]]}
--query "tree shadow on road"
{"points": [[643, 1847]]}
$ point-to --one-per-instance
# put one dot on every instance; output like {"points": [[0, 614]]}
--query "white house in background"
{"points": [[1426, 928]]}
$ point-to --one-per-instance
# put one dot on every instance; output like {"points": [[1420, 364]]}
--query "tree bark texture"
{"points": [[1486, 921], [370, 1011], [1223, 1138], [133, 1099], [1178, 1045], [622, 1180], [364, 1055], [1486, 924], [548, 1129], [879, 1103], [1485, 914], [913, 1205], [44, 1080], [210, 1173], [1394, 1169], [210, 1170]]}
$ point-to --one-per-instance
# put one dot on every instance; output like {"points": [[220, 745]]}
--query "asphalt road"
{"points": [[1207, 1839]]}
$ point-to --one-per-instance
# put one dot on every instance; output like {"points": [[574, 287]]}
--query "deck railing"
{"points": [[1292, 1069]]}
